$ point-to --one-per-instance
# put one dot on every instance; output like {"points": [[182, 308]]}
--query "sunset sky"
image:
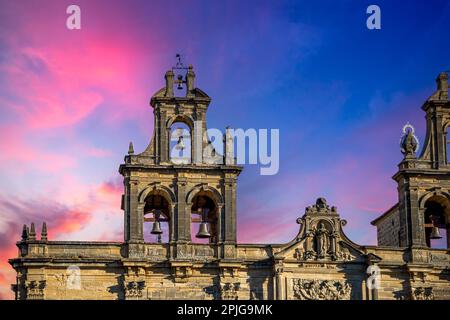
{"points": [[71, 100]]}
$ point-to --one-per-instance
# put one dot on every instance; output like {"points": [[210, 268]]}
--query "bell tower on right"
{"points": [[421, 218]]}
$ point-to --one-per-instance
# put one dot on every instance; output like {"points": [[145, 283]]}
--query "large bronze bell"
{"points": [[203, 231], [156, 229], [435, 233]]}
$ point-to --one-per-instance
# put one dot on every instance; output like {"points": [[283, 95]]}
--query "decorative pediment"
{"points": [[321, 237]]}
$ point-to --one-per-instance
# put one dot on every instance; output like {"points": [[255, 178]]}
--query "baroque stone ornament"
{"points": [[134, 289], [35, 289], [321, 237], [229, 291], [422, 293], [321, 289]]}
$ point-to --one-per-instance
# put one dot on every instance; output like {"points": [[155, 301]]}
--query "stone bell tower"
{"points": [[194, 192], [423, 211]]}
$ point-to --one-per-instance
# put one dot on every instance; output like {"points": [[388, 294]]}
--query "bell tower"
{"points": [[180, 183], [424, 181]]}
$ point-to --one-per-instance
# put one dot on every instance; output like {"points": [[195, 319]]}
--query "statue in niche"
{"points": [[322, 240]]}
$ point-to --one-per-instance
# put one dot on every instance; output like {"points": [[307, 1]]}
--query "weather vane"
{"points": [[179, 66]]}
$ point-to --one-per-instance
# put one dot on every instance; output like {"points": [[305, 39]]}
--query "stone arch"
{"points": [[157, 189], [213, 203], [435, 214], [167, 215], [185, 123], [186, 119], [217, 196], [435, 193]]}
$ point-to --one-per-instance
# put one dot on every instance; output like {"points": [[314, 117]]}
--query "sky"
{"points": [[72, 100]]}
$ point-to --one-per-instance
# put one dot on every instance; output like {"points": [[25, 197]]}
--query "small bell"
{"points": [[156, 229], [180, 82], [435, 233], [180, 144], [203, 231]]}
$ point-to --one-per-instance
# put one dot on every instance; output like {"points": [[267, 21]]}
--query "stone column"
{"points": [[417, 219], [279, 283], [440, 141], [135, 212], [219, 223], [197, 138], [183, 219], [448, 234], [230, 211], [172, 218], [164, 137]]}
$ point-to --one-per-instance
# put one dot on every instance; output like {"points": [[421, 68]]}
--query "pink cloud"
{"points": [[97, 208]]}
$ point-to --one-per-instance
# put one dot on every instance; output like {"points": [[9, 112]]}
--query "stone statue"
{"points": [[409, 143], [322, 240]]}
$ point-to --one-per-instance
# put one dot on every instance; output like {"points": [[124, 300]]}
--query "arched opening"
{"points": [[156, 219], [180, 147], [436, 217], [204, 218]]}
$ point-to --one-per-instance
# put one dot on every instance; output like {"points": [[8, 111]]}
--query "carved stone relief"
{"points": [[422, 293], [321, 289], [134, 289], [35, 289], [229, 291], [203, 253]]}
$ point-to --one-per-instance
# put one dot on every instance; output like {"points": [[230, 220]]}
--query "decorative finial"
{"points": [[32, 234], [442, 81], [44, 232], [179, 64], [131, 148], [25, 233], [409, 144], [321, 202], [442, 87]]}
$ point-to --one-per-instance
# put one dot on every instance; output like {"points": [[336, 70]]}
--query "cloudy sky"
{"points": [[71, 100]]}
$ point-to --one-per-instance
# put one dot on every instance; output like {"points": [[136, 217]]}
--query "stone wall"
{"points": [[388, 228], [102, 272]]}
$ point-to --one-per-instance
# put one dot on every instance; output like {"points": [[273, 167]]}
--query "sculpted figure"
{"points": [[322, 240]]}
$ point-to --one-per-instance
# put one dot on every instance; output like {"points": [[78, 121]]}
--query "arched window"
{"points": [[156, 218], [180, 148], [436, 217], [204, 218]]}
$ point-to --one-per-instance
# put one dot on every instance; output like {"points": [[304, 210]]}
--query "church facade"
{"points": [[180, 200]]}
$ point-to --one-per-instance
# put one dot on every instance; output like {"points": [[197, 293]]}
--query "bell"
{"points": [[180, 82], [156, 229], [435, 233], [180, 143], [203, 231]]}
